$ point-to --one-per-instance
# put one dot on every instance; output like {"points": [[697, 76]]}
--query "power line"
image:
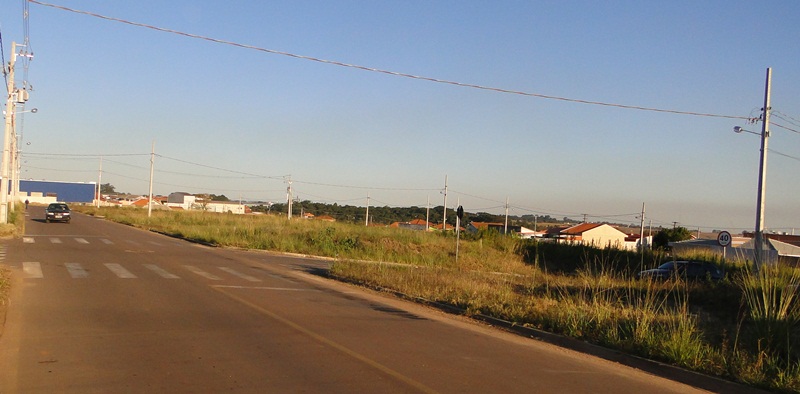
{"points": [[784, 116], [784, 127], [3, 56], [97, 156], [783, 154], [222, 169], [363, 187], [388, 72]]}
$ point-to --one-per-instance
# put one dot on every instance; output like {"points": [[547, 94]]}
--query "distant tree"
{"points": [[662, 238], [220, 197], [485, 217], [107, 188]]}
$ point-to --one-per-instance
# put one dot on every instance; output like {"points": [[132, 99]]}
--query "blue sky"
{"points": [[110, 89]]}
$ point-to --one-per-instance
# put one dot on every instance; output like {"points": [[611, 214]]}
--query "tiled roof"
{"points": [[581, 228]]}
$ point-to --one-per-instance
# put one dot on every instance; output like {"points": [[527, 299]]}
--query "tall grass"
{"points": [[771, 296]]}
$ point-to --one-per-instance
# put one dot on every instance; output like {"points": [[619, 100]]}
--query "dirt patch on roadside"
{"points": [[5, 287]]}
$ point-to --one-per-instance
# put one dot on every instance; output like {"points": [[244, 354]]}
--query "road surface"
{"points": [[98, 307]]}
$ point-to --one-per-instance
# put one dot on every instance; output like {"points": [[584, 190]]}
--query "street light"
{"points": [[32, 110], [739, 130]]}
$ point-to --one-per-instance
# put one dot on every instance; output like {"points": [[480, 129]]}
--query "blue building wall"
{"points": [[64, 191]]}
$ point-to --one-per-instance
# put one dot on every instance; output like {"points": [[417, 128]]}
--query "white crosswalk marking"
{"points": [[239, 274], [81, 241], [28, 240], [161, 272], [120, 271], [76, 271], [32, 269], [202, 273], [106, 241], [55, 240]]}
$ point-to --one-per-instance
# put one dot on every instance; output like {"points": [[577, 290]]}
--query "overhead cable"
{"points": [[389, 72]]}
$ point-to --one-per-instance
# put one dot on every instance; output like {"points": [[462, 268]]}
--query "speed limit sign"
{"points": [[724, 238]]}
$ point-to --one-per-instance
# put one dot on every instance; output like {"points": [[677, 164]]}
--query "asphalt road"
{"points": [[98, 307]]}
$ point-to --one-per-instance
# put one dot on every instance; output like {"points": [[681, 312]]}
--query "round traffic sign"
{"points": [[724, 238]]}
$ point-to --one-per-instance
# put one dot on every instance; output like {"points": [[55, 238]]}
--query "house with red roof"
{"points": [[596, 234]]}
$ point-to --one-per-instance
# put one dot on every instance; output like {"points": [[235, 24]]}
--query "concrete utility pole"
{"points": [[152, 166], [289, 197], [641, 230], [758, 239], [505, 226], [641, 237], [366, 221], [99, 184], [9, 128], [428, 214], [444, 211]]}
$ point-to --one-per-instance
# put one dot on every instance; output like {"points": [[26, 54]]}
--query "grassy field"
{"points": [[743, 328]]}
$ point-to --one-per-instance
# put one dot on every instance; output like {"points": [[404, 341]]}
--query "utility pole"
{"points": [[152, 167], [289, 197], [758, 240], [505, 227], [428, 214], [12, 164], [444, 211], [10, 109], [366, 222], [641, 237], [99, 184], [641, 230]]}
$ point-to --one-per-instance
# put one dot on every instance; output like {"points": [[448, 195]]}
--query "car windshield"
{"points": [[668, 266], [58, 207]]}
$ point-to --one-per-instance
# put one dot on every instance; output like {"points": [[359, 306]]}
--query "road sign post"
{"points": [[724, 239]]}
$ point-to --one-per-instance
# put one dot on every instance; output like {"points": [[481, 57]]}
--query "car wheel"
{"points": [[47, 220]]}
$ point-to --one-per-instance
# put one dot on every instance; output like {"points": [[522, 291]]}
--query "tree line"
{"points": [[387, 215]]}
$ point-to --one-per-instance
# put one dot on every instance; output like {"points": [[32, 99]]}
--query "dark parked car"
{"points": [[692, 270], [57, 212]]}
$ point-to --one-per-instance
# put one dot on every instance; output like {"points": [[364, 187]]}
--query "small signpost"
{"points": [[724, 239]]}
